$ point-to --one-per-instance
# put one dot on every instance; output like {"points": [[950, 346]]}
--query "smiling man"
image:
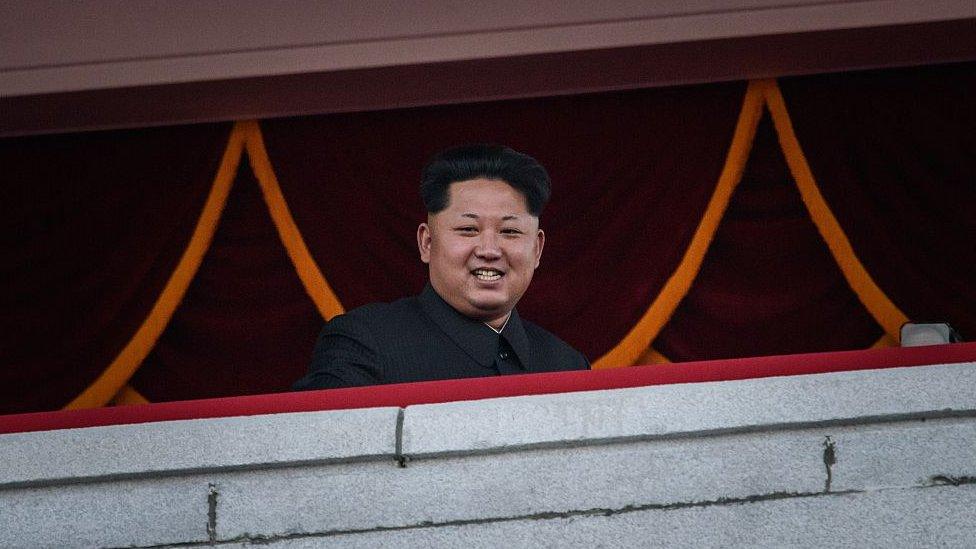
{"points": [[482, 243]]}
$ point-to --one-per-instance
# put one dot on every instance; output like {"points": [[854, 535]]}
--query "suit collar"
{"points": [[514, 333], [474, 337]]}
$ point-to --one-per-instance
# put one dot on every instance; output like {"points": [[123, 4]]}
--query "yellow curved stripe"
{"points": [[652, 356], [315, 284], [128, 395], [875, 301], [630, 348], [117, 374]]}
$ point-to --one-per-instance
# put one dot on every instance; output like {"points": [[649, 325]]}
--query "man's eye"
{"points": [[470, 230], [511, 231]]}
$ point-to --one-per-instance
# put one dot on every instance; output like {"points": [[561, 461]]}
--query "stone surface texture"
{"points": [[933, 517], [199, 444], [343, 498], [105, 514], [685, 408], [871, 458]]}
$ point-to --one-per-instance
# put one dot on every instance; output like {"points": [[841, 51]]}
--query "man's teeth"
{"points": [[487, 275]]}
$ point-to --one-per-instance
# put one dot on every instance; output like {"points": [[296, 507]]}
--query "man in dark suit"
{"points": [[482, 243]]}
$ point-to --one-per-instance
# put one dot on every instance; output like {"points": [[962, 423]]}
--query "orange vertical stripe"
{"points": [[630, 348], [884, 311], [311, 276]]}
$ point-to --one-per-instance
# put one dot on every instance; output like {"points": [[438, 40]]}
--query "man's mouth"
{"points": [[487, 275]]}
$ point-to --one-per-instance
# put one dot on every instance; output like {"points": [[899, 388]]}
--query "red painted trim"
{"points": [[429, 392]]}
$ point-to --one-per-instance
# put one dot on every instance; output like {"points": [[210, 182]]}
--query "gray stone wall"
{"points": [[867, 458]]}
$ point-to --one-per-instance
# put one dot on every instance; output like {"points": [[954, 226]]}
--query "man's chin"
{"points": [[489, 309]]}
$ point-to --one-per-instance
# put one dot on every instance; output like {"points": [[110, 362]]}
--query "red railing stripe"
{"points": [[429, 392]]}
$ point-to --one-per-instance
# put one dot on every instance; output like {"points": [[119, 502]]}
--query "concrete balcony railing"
{"points": [[881, 455]]}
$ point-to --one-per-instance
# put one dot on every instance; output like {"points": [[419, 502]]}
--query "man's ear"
{"points": [[540, 243], [423, 242]]}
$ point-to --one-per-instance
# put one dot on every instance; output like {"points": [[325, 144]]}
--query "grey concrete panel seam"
{"points": [[596, 511], [937, 481], [705, 433], [948, 480], [398, 443], [212, 512], [829, 459], [190, 471]]}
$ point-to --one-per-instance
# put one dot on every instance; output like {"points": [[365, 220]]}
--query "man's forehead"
{"points": [[484, 191], [447, 215]]}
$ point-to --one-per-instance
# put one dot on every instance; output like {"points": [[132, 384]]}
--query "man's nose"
{"points": [[487, 247]]}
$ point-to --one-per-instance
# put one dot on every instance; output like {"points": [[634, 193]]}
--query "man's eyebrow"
{"points": [[510, 217]]}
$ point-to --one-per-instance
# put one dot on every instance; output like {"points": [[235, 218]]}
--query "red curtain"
{"points": [[246, 325], [894, 153], [95, 224], [768, 284]]}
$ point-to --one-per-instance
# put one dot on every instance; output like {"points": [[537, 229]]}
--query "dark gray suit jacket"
{"points": [[422, 338]]}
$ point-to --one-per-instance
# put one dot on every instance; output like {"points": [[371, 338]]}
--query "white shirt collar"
{"points": [[499, 330]]}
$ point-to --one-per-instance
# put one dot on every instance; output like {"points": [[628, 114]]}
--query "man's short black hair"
{"points": [[494, 162]]}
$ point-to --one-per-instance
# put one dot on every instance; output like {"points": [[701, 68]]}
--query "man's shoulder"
{"points": [[554, 348], [379, 315]]}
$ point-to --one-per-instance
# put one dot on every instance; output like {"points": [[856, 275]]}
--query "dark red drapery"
{"points": [[894, 153], [95, 223], [768, 284]]}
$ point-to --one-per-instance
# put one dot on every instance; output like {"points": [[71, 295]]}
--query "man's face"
{"points": [[482, 249]]}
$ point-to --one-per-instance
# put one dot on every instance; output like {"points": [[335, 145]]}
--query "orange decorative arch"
{"points": [[111, 385], [884, 311], [636, 345], [125, 364], [639, 339], [311, 276]]}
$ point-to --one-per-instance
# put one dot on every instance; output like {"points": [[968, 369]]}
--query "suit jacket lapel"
{"points": [[476, 339], [514, 333]]}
